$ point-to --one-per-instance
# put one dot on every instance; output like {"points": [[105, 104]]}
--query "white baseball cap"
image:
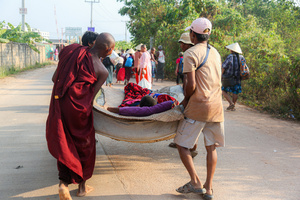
{"points": [[201, 26]]}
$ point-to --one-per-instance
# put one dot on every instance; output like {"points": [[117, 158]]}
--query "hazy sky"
{"points": [[69, 13]]}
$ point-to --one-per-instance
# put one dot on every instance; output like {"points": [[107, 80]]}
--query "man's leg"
{"points": [[234, 98], [211, 162], [227, 97], [64, 177], [186, 158]]}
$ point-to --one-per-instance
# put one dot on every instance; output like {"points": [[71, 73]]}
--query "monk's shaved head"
{"points": [[105, 41], [104, 45]]}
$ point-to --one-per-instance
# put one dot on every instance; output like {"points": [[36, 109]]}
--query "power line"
{"points": [[92, 1]]}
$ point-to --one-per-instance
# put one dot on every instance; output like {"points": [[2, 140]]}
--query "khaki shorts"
{"points": [[189, 131]]}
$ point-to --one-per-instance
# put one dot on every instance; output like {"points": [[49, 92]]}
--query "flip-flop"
{"points": [[231, 107], [188, 188], [208, 196], [172, 145]]}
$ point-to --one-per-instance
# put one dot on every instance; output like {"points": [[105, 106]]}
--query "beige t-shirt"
{"points": [[206, 103]]}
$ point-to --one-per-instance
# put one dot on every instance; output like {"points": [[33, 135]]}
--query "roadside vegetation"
{"points": [[15, 34], [12, 70], [268, 32]]}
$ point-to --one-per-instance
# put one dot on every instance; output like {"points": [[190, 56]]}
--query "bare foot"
{"points": [[84, 190], [64, 193]]}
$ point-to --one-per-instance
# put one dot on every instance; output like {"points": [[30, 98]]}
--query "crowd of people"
{"points": [[143, 64], [82, 70]]}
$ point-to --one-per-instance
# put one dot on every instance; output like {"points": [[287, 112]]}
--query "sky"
{"points": [[69, 13]]}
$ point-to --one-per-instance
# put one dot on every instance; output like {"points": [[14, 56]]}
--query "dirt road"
{"points": [[261, 159]]}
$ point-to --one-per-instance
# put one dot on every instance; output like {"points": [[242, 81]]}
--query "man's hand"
{"points": [[113, 109], [184, 102]]}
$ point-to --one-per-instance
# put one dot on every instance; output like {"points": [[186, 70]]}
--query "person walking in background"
{"points": [[179, 68], [137, 56], [89, 38], [145, 65], [203, 107], [56, 54], [231, 67], [110, 68], [70, 129], [153, 62], [160, 55], [120, 71], [128, 66]]}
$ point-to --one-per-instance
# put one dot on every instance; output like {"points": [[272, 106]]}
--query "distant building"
{"points": [[44, 34]]}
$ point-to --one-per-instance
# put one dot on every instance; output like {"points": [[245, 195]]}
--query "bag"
{"points": [[144, 83], [180, 66], [228, 81], [129, 62], [244, 71]]}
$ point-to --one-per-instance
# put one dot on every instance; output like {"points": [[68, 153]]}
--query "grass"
{"points": [[7, 71]]}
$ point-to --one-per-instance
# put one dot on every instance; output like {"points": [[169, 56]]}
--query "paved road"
{"points": [[261, 159]]}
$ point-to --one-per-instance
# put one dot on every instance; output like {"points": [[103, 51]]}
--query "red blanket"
{"points": [[133, 92], [69, 130]]}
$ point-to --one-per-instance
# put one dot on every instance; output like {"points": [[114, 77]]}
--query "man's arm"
{"points": [[54, 75], [190, 87], [176, 70]]}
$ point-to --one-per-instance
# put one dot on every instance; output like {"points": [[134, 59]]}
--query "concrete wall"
{"points": [[20, 55]]}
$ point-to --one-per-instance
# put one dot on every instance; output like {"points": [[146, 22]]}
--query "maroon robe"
{"points": [[70, 130]]}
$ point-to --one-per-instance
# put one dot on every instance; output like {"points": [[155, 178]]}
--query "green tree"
{"points": [[15, 34]]}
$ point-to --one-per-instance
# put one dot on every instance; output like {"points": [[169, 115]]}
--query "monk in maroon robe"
{"points": [[70, 130]]}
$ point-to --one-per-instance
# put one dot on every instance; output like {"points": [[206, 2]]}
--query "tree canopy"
{"points": [[268, 32]]}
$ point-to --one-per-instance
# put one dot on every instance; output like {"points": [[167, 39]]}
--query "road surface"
{"points": [[261, 159]]}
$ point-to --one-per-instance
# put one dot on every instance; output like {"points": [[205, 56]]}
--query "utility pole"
{"points": [[23, 12], [125, 30], [92, 1]]}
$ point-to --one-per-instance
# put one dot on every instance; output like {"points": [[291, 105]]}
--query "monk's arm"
{"points": [[54, 75], [102, 74]]}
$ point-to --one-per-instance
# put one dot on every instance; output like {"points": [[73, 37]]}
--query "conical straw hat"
{"points": [[185, 38], [235, 47], [138, 47], [130, 51]]}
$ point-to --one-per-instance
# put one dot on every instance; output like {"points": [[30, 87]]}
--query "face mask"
{"points": [[114, 58]]}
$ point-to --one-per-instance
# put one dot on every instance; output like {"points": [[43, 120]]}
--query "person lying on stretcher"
{"points": [[148, 106]]}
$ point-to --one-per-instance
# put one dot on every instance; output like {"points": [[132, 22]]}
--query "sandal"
{"points": [[208, 196], [231, 107], [188, 188], [172, 145]]}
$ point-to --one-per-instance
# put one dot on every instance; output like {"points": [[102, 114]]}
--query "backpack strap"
{"points": [[205, 59]]}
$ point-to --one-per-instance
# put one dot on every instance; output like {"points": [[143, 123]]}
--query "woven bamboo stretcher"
{"points": [[153, 128]]}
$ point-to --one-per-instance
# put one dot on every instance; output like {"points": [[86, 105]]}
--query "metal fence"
{"points": [[20, 55]]}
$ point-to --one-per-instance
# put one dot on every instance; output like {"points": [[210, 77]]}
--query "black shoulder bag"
{"points": [[229, 80]]}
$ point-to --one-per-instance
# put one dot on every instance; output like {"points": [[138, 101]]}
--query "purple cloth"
{"points": [[146, 111]]}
